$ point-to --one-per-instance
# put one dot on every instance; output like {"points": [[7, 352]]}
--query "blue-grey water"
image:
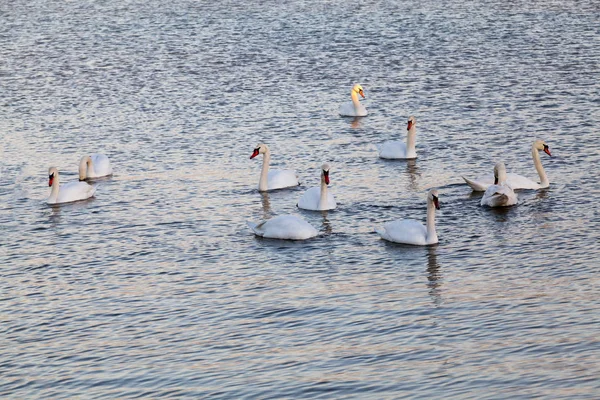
{"points": [[156, 288]]}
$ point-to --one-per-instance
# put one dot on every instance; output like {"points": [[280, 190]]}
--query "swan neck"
{"points": [[431, 233], [411, 138], [85, 164], [55, 188], [263, 183], [355, 100], [323, 197], [537, 162]]}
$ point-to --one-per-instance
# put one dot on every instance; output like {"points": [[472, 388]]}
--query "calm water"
{"points": [[157, 288]]}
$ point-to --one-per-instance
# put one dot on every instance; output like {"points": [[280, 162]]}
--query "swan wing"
{"points": [[101, 165], [348, 110], [74, 191], [310, 199], [499, 196], [287, 227], [517, 181], [392, 149], [480, 184], [281, 178], [407, 231], [331, 204]]}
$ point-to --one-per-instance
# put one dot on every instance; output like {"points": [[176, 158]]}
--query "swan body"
{"points": [[397, 150], [516, 181], [318, 198], [409, 231], [288, 227], [276, 178], [94, 166], [354, 108], [500, 194], [69, 192]]}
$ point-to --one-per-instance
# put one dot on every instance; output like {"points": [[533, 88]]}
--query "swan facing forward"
{"points": [[276, 178], [69, 192], [409, 231], [499, 194], [516, 181], [354, 108], [94, 166], [397, 150], [287, 227], [318, 198]]}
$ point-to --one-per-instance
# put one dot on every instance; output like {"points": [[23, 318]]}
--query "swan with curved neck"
{"points": [[410, 231], [288, 227], [319, 198], [500, 194], [354, 108], [275, 178], [94, 166], [516, 181], [69, 192], [397, 150]]}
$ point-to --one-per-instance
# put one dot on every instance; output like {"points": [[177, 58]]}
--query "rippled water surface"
{"points": [[157, 288]]}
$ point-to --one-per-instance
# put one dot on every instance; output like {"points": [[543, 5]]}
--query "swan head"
{"points": [[325, 172], [433, 197], [541, 145], [260, 149], [52, 174], [499, 173], [411, 122], [358, 89]]}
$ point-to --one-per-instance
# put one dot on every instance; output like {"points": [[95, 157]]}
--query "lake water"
{"points": [[157, 288]]}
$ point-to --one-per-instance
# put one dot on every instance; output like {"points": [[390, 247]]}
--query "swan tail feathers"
{"points": [[475, 185], [255, 227]]}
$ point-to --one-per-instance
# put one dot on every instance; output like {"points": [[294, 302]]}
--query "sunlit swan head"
{"points": [[541, 145], [260, 149], [412, 121], [52, 174], [433, 197], [499, 173], [358, 89], [325, 172]]}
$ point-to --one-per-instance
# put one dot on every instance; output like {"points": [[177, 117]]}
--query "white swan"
{"points": [[318, 198], [409, 231], [395, 149], [69, 192], [94, 166], [516, 181], [354, 108], [275, 178], [287, 227], [500, 194]]}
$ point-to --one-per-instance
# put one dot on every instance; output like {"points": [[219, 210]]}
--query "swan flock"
{"points": [[499, 189]]}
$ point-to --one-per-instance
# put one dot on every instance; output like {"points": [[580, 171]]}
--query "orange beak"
{"points": [[547, 151], [326, 176], [50, 180], [409, 125], [361, 93], [254, 154], [436, 203]]}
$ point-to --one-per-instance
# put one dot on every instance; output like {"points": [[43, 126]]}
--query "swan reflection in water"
{"points": [[413, 174], [266, 205], [434, 275], [356, 123], [326, 225]]}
